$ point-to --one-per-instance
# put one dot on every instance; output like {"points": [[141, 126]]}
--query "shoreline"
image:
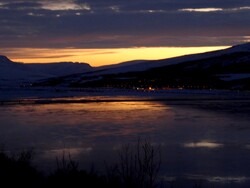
{"points": [[84, 95]]}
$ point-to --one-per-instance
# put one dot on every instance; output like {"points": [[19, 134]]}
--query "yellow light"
{"points": [[99, 57]]}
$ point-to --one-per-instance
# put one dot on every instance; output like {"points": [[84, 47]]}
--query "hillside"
{"points": [[224, 69], [16, 74]]}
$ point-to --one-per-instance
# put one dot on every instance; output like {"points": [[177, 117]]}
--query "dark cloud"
{"points": [[119, 23], [19, 5]]}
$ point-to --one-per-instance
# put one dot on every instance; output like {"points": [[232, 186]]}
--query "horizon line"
{"points": [[103, 56]]}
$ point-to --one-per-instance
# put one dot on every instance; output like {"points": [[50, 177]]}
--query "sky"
{"points": [[110, 31]]}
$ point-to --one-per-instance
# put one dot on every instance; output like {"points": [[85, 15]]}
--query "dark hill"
{"points": [[224, 69]]}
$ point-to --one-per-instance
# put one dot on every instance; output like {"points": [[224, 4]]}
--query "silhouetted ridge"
{"points": [[242, 47], [4, 59]]}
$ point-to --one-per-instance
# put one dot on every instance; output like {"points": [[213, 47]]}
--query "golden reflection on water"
{"points": [[95, 118], [80, 128], [203, 144], [189, 135]]}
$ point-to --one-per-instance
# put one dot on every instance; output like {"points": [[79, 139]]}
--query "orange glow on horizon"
{"points": [[99, 57]]}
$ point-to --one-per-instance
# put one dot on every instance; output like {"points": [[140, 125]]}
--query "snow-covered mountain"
{"points": [[61, 69], [142, 65], [223, 69], [4, 59], [225, 65], [13, 74]]}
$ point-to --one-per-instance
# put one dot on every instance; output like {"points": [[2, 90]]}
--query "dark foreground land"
{"points": [[136, 167]]}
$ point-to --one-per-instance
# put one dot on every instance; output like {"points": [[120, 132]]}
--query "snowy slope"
{"points": [[12, 73], [16, 73], [223, 65], [142, 65], [61, 69], [240, 48]]}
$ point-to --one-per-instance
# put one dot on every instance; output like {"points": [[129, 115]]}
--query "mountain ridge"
{"points": [[4, 59], [15, 73], [222, 67]]}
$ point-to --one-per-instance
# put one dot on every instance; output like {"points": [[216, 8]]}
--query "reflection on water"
{"points": [[72, 151], [196, 140], [90, 120], [205, 144]]}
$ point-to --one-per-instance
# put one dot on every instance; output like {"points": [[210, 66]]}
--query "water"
{"points": [[204, 140]]}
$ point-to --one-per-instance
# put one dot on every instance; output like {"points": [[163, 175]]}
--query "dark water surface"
{"points": [[206, 140]]}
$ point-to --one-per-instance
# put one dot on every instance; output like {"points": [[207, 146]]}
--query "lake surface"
{"points": [[201, 140]]}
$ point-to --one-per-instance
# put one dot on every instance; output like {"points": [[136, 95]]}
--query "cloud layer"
{"points": [[119, 23]]}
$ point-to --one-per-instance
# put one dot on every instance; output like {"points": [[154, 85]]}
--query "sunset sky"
{"points": [[110, 31]]}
